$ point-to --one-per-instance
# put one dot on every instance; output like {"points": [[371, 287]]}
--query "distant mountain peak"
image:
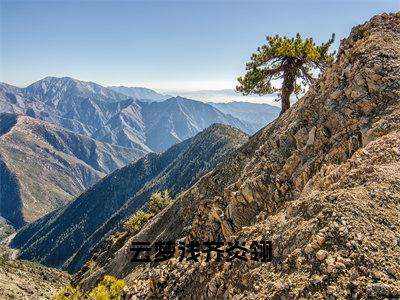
{"points": [[140, 93], [66, 87]]}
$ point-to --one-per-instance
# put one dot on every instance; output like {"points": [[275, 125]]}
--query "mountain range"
{"points": [[225, 96], [59, 136], [109, 116], [230, 102], [320, 183], [257, 114], [43, 167], [68, 237]]}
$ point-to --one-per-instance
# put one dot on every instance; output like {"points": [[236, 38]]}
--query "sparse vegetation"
{"points": [[136, 221], [110, 288], [158, 201], [69, 293]]}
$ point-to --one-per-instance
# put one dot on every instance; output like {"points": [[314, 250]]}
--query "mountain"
{"points": [[58, 92], [253, 113], [176, 119], [69, 237], [43, 167], [140, 93], [82, 107], [108, 116], [321, 183]]}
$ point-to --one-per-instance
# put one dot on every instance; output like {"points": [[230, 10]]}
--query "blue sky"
{"points": [[167, 45]]}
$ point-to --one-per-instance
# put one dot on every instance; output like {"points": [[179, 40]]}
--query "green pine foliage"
{"points": [[292, 60]]}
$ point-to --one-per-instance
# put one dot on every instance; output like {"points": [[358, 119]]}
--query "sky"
{"points": [[165, 45]]}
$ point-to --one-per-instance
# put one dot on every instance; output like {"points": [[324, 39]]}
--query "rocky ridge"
{"points": [[321, 182]]}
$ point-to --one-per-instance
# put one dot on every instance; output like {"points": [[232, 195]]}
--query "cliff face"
{"points": [[321, 182]]}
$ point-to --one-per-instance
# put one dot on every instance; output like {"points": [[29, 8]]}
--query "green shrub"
{"points": [[110, 288], [136, 221], [158, 201]]}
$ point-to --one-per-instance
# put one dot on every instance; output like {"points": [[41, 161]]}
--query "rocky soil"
{"points": [[322, 182], [23, 280]]}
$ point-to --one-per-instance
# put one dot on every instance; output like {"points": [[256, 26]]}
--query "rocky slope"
{"points": [[67, 238], [25, 280], [43, 167], [321, 182], [108, 116]]}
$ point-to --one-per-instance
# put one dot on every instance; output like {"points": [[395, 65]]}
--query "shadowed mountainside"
{"points": [[43, 167], [70, 236]]}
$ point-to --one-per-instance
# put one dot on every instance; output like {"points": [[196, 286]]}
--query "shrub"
{"points": [[136, 221], [69, 293], [158, 201], [110, 288]]}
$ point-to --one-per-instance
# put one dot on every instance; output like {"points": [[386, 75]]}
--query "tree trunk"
{"points": [[289, 79]]}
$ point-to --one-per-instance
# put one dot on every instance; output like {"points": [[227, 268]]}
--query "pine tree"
{"points": [[290, 59]]}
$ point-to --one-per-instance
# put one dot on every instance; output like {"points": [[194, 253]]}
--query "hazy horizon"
{"points": [[216, 95]]}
